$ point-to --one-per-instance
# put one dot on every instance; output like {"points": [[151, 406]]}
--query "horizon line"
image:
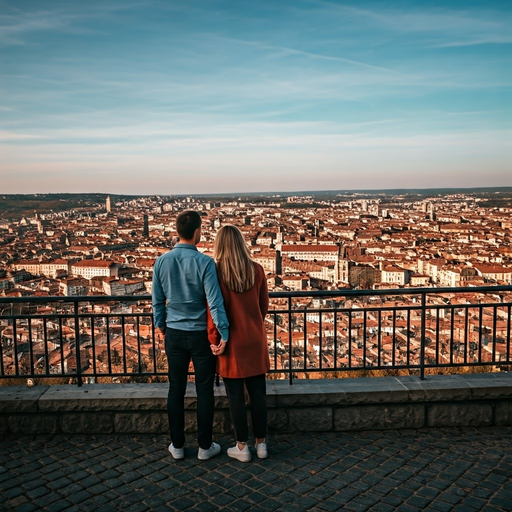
{"points": [[505, 188]]}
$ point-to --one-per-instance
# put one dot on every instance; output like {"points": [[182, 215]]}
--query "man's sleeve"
{"points": [[215, 300], [158, 299]]}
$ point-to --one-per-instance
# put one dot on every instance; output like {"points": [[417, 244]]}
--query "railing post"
{"points": [[423, 327], [77, 346], [290, 337]]}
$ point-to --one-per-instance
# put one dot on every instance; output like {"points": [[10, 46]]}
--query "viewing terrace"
{"points": [[85, 422]]}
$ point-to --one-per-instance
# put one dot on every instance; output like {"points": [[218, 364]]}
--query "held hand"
{"points": [[218, 349], [159, 333]]}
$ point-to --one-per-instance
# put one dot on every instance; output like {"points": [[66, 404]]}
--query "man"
{"points": [[184, 282]]}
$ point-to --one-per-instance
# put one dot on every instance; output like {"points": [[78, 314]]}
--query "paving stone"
{"points": [[137, 507], [383, 470], [382, 507], [58, 506], [38, 492], [27, 507]]}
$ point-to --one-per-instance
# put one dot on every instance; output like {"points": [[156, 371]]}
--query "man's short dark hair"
{"points": [[186, 224]]}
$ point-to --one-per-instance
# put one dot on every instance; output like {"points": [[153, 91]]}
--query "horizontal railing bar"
{"points": [[80, 315], [283, 294], [273, 311]]}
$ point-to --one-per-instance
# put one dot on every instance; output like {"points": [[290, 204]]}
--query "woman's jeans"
{"points": [[181, 347], [256, 388]]}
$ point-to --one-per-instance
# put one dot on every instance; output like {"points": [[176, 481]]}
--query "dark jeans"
{"points": [[256, 387], [180, 347]]}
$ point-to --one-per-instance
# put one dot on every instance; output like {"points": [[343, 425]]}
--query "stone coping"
{"points": [[280, 394]]}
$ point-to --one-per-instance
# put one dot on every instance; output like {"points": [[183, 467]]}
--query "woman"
{"points": [[243, 360]]}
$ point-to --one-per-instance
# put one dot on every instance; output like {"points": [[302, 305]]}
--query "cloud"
{"points": [[462, 27], [12, 136], [294, 51], [16, 28], [13, 28]]}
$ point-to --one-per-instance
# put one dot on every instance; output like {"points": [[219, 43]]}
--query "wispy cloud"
{"points": [[490, 39], [451, 27], [13, 28], [293, 51], [19, 24], [12, 136]]}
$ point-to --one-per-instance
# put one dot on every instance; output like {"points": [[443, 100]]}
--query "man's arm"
{"points": [[158, 299], [215, 300]]}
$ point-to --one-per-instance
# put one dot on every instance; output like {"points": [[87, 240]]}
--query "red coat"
{"points": [[246, 353]]}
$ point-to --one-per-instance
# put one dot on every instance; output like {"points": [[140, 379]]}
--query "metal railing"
{"points": [[309, 332]]}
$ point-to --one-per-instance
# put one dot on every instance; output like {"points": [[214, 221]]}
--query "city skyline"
{"points": [[164, 98]]}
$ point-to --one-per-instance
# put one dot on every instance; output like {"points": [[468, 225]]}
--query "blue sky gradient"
{"points": [[199, 96]]}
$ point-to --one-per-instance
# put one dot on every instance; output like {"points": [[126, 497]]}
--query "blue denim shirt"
{"points": [[184, 281]]}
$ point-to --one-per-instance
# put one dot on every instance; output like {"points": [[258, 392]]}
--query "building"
{"points": [[296, 283], [311, 252], [419, 280], [31, 266], [145, 231], [54, 268], [394, 275], [494, 272], [94, 268], [74, 286]]}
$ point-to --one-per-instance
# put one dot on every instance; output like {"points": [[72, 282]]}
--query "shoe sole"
{"points": [[245, 457], [240, 459], [208, 457]]}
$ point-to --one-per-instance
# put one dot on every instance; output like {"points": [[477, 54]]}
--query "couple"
{"points": [[213, 311]]}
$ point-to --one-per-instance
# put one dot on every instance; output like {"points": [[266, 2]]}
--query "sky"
{"points": [[209, 96]]}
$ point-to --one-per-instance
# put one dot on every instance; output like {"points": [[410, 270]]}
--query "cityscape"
{"points": [[309, 242], [362, 148]]}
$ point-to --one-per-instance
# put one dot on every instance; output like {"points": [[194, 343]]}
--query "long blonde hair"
{"points": [[233, 259]]}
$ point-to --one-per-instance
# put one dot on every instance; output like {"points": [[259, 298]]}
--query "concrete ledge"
{"points": [[307, 405], [20, 399]]}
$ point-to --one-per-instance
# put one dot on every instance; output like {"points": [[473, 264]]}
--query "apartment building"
{"points": [[94, 268]]}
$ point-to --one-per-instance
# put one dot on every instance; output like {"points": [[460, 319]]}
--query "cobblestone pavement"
{"points": [[414, 470]]}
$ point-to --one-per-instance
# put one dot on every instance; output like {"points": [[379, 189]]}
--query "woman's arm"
{"points": [[213, 333]]}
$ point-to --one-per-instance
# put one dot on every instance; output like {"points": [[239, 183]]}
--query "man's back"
{"points": [[184, 280]]}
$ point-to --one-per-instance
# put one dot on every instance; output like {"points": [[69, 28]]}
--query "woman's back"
{"points": [[246, 352]]}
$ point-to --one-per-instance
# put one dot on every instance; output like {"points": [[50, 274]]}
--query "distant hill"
{"points": [[14, 206], [499, 195]]}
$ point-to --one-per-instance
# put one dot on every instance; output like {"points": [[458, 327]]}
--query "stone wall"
{"points": [[308, 405]]}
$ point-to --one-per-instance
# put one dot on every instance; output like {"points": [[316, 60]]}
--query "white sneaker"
{"points": [[177, 453], [203, 454], [243, 455], [261, 450]]}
